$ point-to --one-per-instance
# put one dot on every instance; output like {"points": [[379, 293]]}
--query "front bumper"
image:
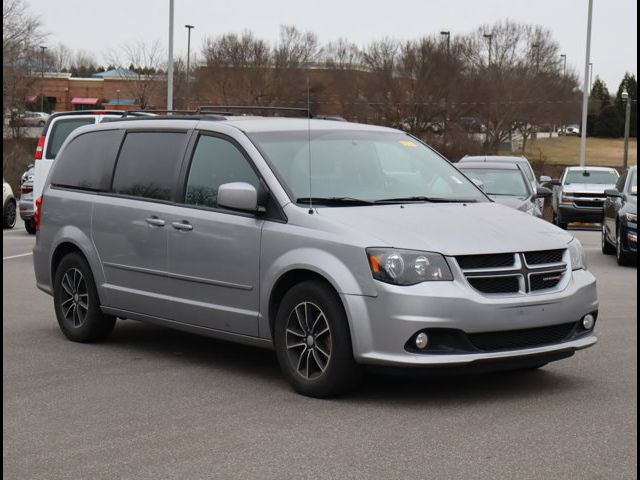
{"points": [[382, 325], [630, 237], [570, 212]]}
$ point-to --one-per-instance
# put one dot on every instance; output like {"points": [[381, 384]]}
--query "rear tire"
{"points": [[313, 342], [607, 248], [9, 215], [76, 302], [30, 226]]}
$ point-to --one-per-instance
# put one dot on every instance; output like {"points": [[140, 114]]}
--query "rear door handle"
{"points": [[155, 221], [184, 225]]}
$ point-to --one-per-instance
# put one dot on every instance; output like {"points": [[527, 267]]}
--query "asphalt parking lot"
{"points": [[155, 403]]}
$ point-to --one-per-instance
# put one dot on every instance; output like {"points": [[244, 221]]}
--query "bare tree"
{"points": [[140, 64], [60, 57]]}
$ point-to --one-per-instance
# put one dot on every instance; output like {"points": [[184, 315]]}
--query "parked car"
{"points": [[340, 245], [55, 132], [34, 119], [620, 221], [523, 162], [26, 204], [578, 196], [8, 206], [507, 184], [570, 130]]}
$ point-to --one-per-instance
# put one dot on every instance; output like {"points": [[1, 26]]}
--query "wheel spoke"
{"points": [[317, 361], [297, 334], [300, 322], [66, 314], [70, 299], [318, 348], [300, 359], [307, 367], [296, 345], [326, 330], [67, 287], [315, 322]]}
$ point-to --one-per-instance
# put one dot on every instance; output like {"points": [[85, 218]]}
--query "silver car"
{"points": [[341, 246]]}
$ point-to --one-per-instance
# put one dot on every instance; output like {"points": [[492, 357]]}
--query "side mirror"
{"points": [[555, 182], [238, 196], [479, 184], [612, 192], [543, 192], [545, 179]]}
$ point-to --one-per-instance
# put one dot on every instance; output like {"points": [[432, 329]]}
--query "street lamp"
{"points": [[42, 49], [627, 120], [590, 76], [564, 64], [447, 34], [489, 36], [585, 88], [536, 46], [170, 62], [188, 27]]}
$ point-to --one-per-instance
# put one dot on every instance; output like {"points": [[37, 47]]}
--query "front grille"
{"points": [[514, 273], [589, 204], [586, 195], [545, 256], [468, 262], [544, 281], [513, 339], [504, 284]]}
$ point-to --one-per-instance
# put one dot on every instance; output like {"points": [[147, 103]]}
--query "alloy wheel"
{"points": [[308, 340], [74, 302]]}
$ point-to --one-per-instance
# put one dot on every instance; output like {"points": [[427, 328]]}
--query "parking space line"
{"points": [[16, 256]]}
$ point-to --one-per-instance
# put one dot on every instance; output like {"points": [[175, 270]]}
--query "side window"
{"points": [[60, 130], [87, 162], [148, 164], [215, 162]]}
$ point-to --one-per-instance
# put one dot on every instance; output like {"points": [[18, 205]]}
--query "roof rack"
{"points": [[229, 109], [156, 112]]}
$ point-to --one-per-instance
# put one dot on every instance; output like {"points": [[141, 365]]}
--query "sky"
{"points": [[99, 26]]}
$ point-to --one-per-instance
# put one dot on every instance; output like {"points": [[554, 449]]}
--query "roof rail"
{"points": [[156, 112], [229, 109]]}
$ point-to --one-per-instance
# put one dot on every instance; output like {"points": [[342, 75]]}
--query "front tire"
{"points": [[9, 215], [607, 248], [76, 302], [624, 258], [313, 343]]}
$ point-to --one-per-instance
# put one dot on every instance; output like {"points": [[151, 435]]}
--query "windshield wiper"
{"points": [[333, 201], [420, 198]]}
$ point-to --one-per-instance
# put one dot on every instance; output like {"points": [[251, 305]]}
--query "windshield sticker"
{"points": [[408, 143]]}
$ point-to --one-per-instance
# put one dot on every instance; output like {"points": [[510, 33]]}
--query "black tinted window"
{"points": [[215, 162], [60, 130], [148, 164], [87, 162]]}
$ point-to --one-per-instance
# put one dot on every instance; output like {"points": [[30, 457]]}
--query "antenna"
{"points": [[309, 144]]}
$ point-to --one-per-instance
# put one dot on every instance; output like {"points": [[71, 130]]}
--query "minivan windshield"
{"points": [[361, 167], [597, 177]]}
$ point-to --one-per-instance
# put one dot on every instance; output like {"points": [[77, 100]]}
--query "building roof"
{"points": [[116, 73]]}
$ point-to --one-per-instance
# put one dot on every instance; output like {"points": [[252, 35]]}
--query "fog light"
{"points": [[422, 340], [588, 322]]}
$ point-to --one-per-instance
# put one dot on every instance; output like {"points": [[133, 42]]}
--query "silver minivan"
{"points": [[340, 245]]}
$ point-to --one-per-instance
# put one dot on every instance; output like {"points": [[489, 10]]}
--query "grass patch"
{"points": [[606, 152]]}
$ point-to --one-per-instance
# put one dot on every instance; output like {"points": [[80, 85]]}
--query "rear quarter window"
{"points": [[60, 130], [87, 161]]}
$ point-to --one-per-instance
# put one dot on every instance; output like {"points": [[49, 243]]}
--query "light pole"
{"points": [[590, 76], [118, 97], [188, 27], [170, 62], [447, 34], [627, 122], [489, 36], [536, 46], [42, 49], [564, 65], [585, 92]]}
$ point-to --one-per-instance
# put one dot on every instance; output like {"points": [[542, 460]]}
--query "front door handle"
{"points": [[155, 221], [184, 226]]}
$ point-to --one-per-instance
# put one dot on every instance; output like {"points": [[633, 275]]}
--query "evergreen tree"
{"points": [[630, 84]]}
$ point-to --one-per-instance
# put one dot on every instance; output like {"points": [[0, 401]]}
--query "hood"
{"points": [[586, 188], [451, 229], [513, 202]]}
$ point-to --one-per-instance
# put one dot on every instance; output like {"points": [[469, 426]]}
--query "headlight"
{"points": [[407, 267], [578, 260], [567, 198], [631, 217]]}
